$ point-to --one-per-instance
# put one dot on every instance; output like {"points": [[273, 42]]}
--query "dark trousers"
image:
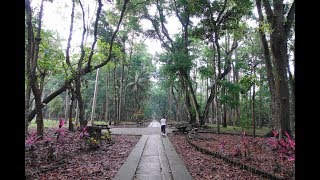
{"points": [[163, 129]]}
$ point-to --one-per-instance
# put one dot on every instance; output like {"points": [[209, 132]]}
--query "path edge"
{"points": [[178, 169], [128, 168]]}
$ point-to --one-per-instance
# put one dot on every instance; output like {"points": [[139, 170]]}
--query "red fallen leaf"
{"points": [[223, 168]]}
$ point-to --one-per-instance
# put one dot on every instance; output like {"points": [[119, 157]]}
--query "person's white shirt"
{"points": [[162, 121]]}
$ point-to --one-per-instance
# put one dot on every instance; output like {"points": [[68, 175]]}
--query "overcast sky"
{"points": [[57, 17]]}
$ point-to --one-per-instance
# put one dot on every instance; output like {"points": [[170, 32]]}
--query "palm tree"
{"points": [[138, 85]]}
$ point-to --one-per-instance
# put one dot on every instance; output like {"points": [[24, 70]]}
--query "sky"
{"points": [[57, 17]]}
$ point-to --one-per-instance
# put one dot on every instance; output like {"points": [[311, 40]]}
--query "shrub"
{"points": [[245, 143], [285, 147], [91, 142], [106, 136]]}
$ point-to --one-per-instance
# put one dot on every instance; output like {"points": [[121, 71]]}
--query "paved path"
{"points": [[152, 158], [154, 124]]}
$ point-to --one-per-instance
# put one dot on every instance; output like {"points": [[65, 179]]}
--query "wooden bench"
{"points": [[95, 130], [182, 129], [102, 126]]}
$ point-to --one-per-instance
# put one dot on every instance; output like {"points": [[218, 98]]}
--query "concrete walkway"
{"points": [[152, 158]]}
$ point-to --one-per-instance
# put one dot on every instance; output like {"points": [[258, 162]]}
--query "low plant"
{"points": [[48, 142], [106, 136], [284, 149], [237, 150], [90, 142], [221, 146], [245, 144], [60, 131]]}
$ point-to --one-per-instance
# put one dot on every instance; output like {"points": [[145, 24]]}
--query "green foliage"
{"points": [[103, 50], [138, 117], [56, 105], [245, 122], [232, 92], [206, 72], [51, 56], [266, 27], [240, 31], [180, 61], [49, 123], [106, 136], [245, 83], [92, 143], [158, 102]]}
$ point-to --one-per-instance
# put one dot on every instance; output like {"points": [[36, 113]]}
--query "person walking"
{"points": [[163, 125]]}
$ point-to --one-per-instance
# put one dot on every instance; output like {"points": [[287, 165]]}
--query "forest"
{"points": [[219, 66]]}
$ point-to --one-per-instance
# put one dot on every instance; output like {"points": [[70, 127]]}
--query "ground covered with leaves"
{"points": [[256, 152], [69, 157]]}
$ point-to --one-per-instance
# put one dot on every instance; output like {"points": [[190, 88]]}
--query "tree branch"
{"points": [[269, 11], [220, 13], [70, 37], [176, 11], [48, 99], [133, 6], [112, 40], [163, 27], [82, 39], [95, 33], [156, 28], [290, 19]]}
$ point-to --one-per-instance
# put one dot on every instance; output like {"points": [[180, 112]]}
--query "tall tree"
{"points": [[32, 64], [281, 22], [84, 70]]}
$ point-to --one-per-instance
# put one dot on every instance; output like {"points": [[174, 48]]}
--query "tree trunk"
{"points": [[184, 87], [260, 105], [39, 117], [292, 87], [224, 118], [107, 97], [170, 102], [279, 52], [120, 94], [281, 25], [66, 105], [237, 98], [83, 122], [33, 52], [70, 113], [94, 101], [115, 96], [77, 115], [218, 111], [212, 111], [29, 58], [253, 103], [275, 121], [177, 118]]}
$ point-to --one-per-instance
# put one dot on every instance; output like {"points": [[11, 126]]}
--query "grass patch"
{"points": [[100, 122], [46, 123], [49, 123], [236, 129]]}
